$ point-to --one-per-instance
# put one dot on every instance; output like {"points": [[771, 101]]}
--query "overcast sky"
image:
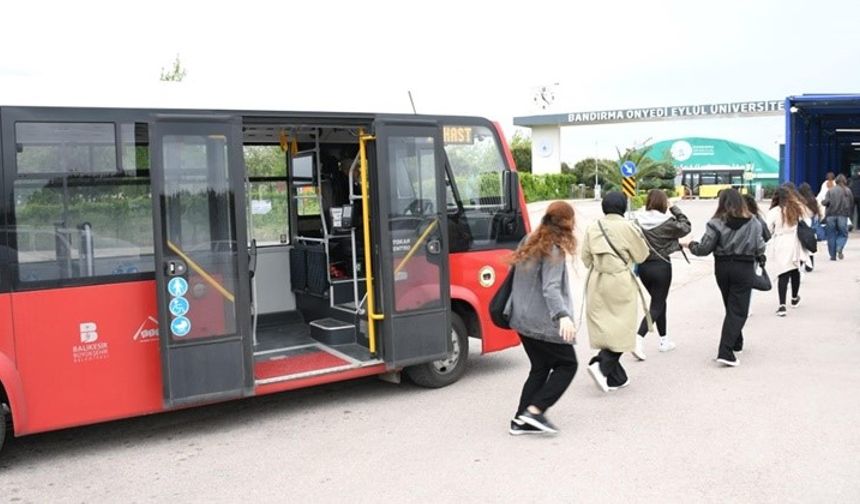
{"points": [[458, 57]]}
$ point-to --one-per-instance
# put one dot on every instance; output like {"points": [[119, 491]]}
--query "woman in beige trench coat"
{"points": [[612, 291]]}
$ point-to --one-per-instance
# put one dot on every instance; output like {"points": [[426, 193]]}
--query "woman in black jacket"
{"points": [[734, 236], [662, 232]]}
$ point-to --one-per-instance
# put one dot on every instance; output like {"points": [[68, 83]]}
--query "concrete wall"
{"points": [[546, 149]]}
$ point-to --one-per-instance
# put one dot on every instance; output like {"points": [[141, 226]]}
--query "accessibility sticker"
{"points": [[180, 326], [177, 286], [178, 306]]}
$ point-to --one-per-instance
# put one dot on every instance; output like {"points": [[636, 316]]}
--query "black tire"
{"points": [[4, 424], [444, 372]]}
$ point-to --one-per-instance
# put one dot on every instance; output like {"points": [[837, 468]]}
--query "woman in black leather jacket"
{"points": [[662, 231], [734, 236]]}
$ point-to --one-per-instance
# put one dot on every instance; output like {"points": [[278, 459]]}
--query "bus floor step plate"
{"points": [[295, 364]]}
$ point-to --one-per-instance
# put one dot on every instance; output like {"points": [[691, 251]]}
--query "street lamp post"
{"points": [[596, 183]]}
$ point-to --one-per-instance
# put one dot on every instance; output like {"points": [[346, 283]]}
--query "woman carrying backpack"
{"points": [[734, 236], [785, 254], [661, 231], [540, 310]]}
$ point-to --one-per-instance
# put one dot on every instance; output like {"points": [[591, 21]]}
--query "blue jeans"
{"points": [[837, 234]]}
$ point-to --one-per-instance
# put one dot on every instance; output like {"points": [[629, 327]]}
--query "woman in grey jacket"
{"points": [[540, 310]]}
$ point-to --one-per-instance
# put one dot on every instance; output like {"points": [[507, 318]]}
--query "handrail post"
{"points": [[372, 316]]}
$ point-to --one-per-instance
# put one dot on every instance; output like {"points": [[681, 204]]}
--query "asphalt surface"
{"points": [[782, 427]]}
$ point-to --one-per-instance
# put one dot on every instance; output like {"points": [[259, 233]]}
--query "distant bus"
{"points": [[708, 182]]}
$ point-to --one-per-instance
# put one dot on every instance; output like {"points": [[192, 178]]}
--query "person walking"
{"points": [[855, 190], [826, 186], [661, 231], [785, 253], [735, 239], [838, 205], [540, 310], [610, 247], [815, 218], [752, 206]]}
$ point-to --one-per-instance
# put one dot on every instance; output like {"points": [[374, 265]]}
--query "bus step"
{"points": [[332, 331]]}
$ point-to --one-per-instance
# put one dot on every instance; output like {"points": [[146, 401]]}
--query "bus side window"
{"points": [[82, 201]]}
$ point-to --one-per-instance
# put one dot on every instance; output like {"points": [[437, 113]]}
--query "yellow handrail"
{"points": [[200, 271], [415, 247], [365, 216]]}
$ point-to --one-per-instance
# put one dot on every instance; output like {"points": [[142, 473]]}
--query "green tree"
{"points": [[521, 149], [584, 171], [650, 173], [176, 72]]}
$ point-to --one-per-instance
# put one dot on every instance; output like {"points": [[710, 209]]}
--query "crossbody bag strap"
{"points": [[636, 282]]}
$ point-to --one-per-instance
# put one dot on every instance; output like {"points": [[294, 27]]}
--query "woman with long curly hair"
{"points": [[540, 310], [785, 253]]}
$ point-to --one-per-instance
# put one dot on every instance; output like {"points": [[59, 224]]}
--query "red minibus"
{"points": [[159, 259]]}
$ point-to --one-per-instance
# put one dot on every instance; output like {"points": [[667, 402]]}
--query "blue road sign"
{"points": [[628, 168], [177, 286], [180, 326], [178, 306]]}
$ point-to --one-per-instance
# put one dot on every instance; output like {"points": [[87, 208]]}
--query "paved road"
{"points": [[780, 428]]}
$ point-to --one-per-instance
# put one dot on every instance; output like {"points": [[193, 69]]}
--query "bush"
{"points": [[547, 187]]}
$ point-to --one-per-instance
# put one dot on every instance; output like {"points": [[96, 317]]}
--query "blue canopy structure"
{"points": [[822, 134]]}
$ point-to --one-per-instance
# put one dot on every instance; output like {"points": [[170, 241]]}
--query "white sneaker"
{"points": [[620, 386], [666, 345], [639, 352], [597, 375]]}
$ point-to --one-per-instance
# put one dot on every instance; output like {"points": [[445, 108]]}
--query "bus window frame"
{"points": [[9, 117]]}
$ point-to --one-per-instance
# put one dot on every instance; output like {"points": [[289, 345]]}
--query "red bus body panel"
{"points": [[86, 354]]}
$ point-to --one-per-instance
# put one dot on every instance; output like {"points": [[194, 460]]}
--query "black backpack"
{"points": [[500, 300]]}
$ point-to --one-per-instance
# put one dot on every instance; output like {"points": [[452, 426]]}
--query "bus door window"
{"points": [[414, 218], [82, 201]]}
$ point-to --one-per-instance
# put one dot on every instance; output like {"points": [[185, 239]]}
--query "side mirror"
{"points": [[511, 183]]}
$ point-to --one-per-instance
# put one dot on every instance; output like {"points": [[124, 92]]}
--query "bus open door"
{"points": [[201, 259], [412, 282]]}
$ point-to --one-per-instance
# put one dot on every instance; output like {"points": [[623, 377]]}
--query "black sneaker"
{"points": [[518, 428], [795, 302], [539, 421], [781, 311], [840, 255]]}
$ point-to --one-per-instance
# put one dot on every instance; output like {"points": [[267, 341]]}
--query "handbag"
{"points": [[761, 280], [500, 301], [807, 236]]}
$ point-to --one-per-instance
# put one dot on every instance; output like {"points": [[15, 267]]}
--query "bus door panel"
{"points": [[201, 259], [412, 270]]}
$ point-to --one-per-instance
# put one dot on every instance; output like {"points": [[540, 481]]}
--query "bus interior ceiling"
{"points": [[306, 286], [823, 135]]}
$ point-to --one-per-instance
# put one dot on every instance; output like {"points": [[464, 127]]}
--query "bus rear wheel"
{"points": [[444, 371]]}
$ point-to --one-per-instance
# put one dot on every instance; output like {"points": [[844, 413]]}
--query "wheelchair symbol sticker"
{"points": [[180, 326], [177, 286], [178, 306]]}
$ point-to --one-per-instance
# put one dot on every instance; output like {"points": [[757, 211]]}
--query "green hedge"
{"points": [[547, 187]]}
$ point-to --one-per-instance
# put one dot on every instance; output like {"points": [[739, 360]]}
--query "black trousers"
{"points": [[734, 278], [656, 276], [553, 367], [782, 285], [610, 366]]}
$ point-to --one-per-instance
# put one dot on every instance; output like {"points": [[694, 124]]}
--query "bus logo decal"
{"points": [[90, 349], [148, 330], [88, 332]]}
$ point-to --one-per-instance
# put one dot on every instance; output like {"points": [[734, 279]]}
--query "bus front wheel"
{"points": [[445, 371], [4, 423]]}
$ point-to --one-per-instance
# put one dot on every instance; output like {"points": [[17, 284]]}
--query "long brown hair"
{"points": [[556, 228], [807, 196], [731, 204], [789, 205]]}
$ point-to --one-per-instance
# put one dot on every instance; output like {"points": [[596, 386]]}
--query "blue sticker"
{"points": [[178, 306], [180, 326], [177, 286]]}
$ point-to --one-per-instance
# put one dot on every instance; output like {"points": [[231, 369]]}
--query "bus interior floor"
{"points": [[288, 350]]}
